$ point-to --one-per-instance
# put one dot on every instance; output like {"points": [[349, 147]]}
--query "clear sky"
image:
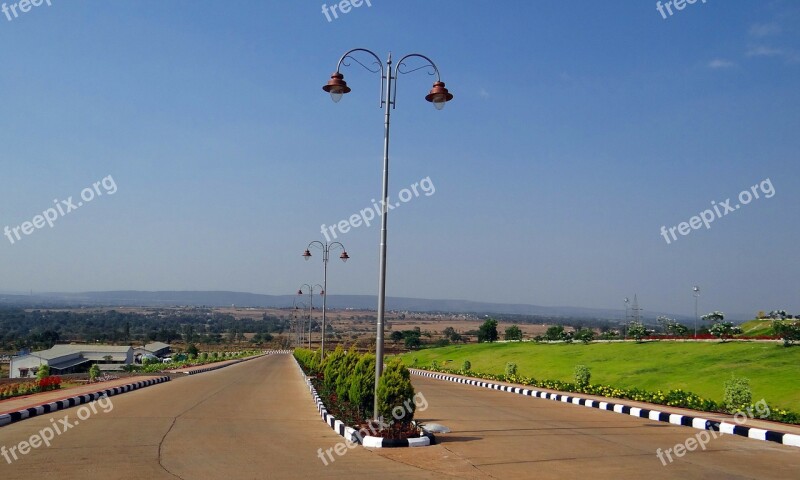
{"points": [[577, 131]]}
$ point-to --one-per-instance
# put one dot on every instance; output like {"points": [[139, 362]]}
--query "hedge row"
{"points": [[347, 379], [673, 398]]}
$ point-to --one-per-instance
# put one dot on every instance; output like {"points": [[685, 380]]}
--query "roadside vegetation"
{"points": [[345, 381], [187, 360], [687, 374]]}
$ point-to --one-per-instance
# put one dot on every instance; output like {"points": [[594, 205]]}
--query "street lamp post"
{"points": [[326, 250], [439, 95], [311, 305], [300, 322], [696, 291]]}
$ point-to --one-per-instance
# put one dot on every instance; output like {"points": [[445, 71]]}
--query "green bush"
{"points": [[362, 384], [331, 367], [738, 395], [585, 335], [94, 372], [344, 373], [582, 376], [511, 370], [43, 372], [466, 366], [396, 392]]}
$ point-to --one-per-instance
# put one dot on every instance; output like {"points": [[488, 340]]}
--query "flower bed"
{"points": [[28, 388]]}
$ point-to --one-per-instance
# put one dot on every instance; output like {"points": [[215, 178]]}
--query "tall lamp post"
{"points": [[326, 250], [300, 322], [439, 95], [696, 291], [311, 305]]}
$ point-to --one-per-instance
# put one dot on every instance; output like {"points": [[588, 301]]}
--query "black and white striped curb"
{"points": [[31, 412], [673, 418], [352, 435], [216, 366]]}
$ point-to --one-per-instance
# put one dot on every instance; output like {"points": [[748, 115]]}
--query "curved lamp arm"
{"points": [[342, 61], [397, 71]]}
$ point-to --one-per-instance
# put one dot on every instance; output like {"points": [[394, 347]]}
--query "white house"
{"points": [[156, 349], [63, 359]]}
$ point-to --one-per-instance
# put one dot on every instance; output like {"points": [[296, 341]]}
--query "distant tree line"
{"points": [[41, 329]]}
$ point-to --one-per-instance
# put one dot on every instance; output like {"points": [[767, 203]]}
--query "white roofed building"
{"points": [[63, 359]]}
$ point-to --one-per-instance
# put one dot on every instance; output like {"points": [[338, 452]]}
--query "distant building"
{"points": [[156, 349], [64, 359]]}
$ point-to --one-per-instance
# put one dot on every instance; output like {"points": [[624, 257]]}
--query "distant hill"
{"points": [[129, 298]]}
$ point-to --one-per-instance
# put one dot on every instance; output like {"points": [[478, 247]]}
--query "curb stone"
{"points": [[217, 367], [352, 435], [673, 418], [51, 407]]}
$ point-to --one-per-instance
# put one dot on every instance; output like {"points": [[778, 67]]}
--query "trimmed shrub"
{"points": [[466, 366], [582, 376], [94, 372], [511, 370], [738, 395], [344, 373], [395, 392], [362, 384], [330, 367], [43, 372]]}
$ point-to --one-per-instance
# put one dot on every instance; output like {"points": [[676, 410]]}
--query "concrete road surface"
{"points": [[254, 420], [502, 435]]}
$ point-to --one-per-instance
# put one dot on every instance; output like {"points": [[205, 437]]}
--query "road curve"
{"points": [[501, 435], [253, 420]]}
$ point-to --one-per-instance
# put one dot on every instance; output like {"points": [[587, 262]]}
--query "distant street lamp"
{"points": [[627, 301], [696, 291], [326, 250], [301, 325], [439, 96], [311, 305]]}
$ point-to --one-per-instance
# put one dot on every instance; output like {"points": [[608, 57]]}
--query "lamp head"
{"points": [[336, 86], [439, 95]]}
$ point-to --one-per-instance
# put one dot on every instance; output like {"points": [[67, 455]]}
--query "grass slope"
{"points": [[755, 328], [702, 367]]}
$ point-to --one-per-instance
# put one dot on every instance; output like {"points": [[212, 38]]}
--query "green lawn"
{"points": [[702, 367]]}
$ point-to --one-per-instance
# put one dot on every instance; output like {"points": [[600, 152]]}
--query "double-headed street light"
{"points": [[300, 327], [326, 250], [439, 96], [311, 304]]}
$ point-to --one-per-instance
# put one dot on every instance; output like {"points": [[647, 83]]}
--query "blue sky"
{"points": [[577, 131]]}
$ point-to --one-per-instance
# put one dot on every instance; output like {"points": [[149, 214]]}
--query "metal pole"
{"points": [[310, 314], [384, 206], [325, 251]]}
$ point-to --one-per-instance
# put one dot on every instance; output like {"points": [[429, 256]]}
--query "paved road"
{"points": [[253, 420], [501, 435]]}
